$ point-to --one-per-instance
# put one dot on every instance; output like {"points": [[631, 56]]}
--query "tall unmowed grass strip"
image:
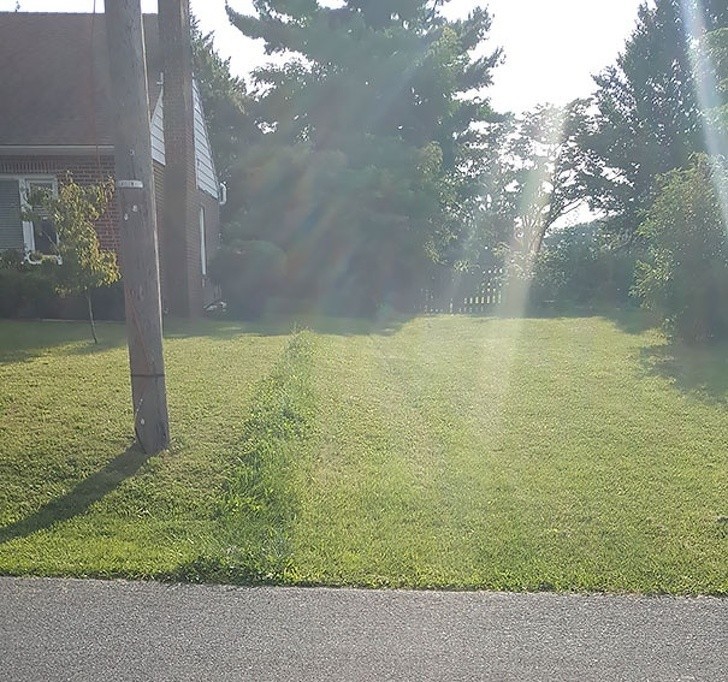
{"points": [[260, 503]]}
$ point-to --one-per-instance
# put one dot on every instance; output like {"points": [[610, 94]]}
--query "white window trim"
{"points": [[23, 189]]}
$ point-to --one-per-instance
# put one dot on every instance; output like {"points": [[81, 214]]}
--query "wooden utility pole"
{"points": [[138, 230]]}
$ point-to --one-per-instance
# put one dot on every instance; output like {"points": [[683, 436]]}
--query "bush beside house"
{"points": [[30, 292], [249, 273]]}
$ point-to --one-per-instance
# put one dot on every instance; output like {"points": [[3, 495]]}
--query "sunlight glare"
{"points": [[529, 227], [707, 89]]}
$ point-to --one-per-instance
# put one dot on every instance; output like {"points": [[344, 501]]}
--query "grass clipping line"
{"points": [[260, 504]]}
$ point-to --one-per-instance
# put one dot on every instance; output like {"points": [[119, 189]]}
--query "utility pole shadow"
{"points": [[80, 498]]}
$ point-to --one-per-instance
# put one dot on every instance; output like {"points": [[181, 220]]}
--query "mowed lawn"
{"points": [[563, 453]]}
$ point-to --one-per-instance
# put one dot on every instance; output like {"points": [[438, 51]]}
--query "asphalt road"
{"points": [[95, 630]]}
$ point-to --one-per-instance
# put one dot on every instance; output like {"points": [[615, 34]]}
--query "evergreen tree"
{"points": [[370, 126], [649, 117]]}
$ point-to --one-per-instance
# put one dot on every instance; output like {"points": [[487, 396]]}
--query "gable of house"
{"points": [[205, 174]]}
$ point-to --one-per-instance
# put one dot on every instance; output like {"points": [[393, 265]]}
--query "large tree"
{"points": [[648, 116], [369, 119], [528, 179], [542, 155]]}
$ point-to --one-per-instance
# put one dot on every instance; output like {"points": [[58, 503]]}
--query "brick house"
{"points": [[55, 119]]}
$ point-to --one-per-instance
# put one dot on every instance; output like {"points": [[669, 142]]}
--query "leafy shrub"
{"points": [[108, 301], [249, 273], [684, 276], [31, 291], [10, 295], [27, 290], [579, 265], [11, 260]]}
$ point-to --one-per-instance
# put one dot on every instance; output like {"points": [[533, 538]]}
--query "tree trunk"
{"points": [[91, 315]]}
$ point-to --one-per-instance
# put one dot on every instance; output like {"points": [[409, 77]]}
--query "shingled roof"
{"points": [[54, 78]]}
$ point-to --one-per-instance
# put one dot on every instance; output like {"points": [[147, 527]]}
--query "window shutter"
{"points": [[11, 226]]}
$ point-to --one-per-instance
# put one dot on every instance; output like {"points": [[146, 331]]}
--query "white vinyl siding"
{"points": [[205, 175], [204, 165], [157, 129]]}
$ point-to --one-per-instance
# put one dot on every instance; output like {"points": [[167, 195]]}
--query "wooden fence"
{"points": [[466, 295]]}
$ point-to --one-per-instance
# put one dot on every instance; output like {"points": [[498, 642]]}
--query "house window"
{"points": [[203, 242], [45, 238], [30, 237]]}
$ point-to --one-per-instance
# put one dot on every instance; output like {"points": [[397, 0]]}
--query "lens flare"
{"points": [[706, 83], [534, 201]]}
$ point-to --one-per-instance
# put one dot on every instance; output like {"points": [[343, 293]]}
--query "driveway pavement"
{"points": [[95, 630]]}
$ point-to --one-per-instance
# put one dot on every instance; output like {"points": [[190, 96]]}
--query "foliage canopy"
{"points": [[685, 275], [648, 117], [369, 126]]}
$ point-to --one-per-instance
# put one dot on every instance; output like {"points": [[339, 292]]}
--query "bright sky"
{"points": [[552, 48]]}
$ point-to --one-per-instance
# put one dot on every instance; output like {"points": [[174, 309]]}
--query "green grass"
{"points": [[572, 453]]}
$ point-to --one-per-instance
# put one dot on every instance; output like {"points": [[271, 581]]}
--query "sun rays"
{"points": [[708, 94]]}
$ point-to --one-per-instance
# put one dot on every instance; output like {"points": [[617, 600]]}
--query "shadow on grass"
{"points": [[628, 319], [96, 348], [25, 340], [78, 500], [284, 325], [22, 341], [697, 371]]}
